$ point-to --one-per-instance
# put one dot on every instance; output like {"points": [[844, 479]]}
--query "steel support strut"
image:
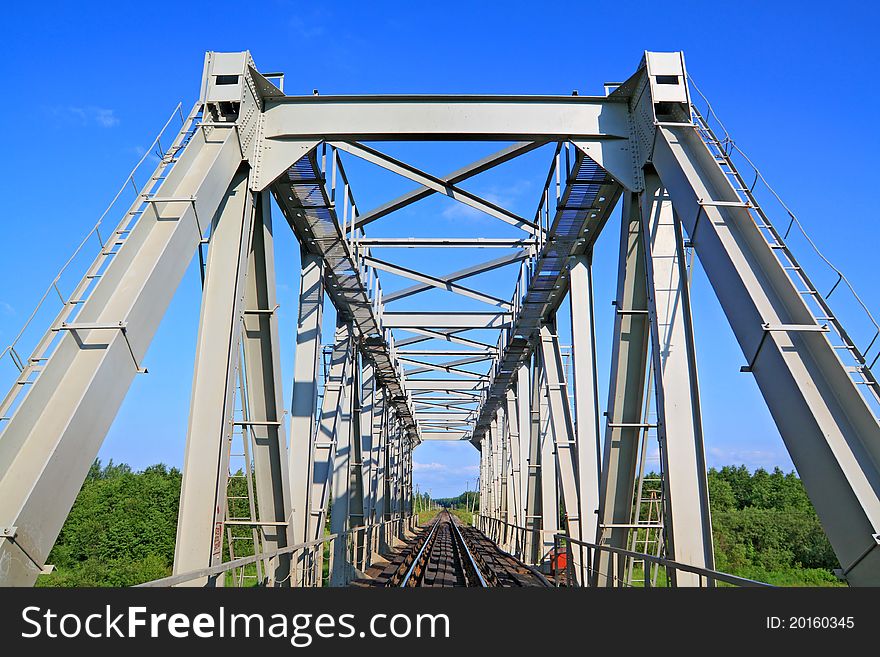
{"points": [[687, 525], [586, 396], [262, 363], [54, 435], [306, 374], [830, 431], [206, 463], [334, 422], [629, 353]]}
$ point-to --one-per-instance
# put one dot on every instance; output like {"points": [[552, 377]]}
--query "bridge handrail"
{"points": [[219, 569], [94, 230], [563, 541], [709, 574]]}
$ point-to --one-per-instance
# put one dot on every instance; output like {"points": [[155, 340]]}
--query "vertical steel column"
{"points": [[262, 364], [206, 462], [627, 388], [335, 411], [561, 430], [490, 474], [346, 435], [523, 410], [687, 522], [534, 485], [549, 467], [368, 442], [380, 433], [586, 395], [356, 458], [388, 469], [503, 467], [514, 455], [306, 374], [485, 451]]}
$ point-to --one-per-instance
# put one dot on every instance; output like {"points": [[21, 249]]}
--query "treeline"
{"points": [[122, 527], [468, 500], [765, 528]]}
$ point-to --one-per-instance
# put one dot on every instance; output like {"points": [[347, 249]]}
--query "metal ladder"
{"points": [[855, 364], [649, 512], [29, 370], [241, 522]]}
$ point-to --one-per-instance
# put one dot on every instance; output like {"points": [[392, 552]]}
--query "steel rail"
{"points": [[467, 550], [409, 573]]}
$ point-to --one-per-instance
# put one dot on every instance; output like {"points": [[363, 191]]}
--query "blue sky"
{"points": [[89, 84]]}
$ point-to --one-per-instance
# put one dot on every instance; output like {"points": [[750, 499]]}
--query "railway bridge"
{"points": [[321, 493]]}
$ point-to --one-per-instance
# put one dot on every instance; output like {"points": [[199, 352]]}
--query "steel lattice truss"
{"points": [[394, 378]]}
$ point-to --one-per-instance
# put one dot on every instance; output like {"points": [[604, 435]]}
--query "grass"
{"points": [[427, 516]]}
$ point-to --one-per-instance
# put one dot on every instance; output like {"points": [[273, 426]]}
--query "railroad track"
{"points": [[449, 554]]}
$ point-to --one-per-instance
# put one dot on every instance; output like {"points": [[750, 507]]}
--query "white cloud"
{"points": [[88, 115], [444, 468], [6, 308], [429, 467]]}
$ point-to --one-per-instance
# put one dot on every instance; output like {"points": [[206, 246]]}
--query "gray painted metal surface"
{"points": [[397, 377]]}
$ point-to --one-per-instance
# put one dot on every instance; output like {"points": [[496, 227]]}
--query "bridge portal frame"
{"points": [[246, 139]]}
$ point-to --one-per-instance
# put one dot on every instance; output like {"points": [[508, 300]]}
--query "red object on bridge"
{"points": [[558, 560]]}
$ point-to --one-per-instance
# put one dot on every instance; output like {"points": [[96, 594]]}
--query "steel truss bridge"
{"points": [[395, 378]]}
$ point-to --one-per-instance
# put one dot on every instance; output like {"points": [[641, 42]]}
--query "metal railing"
{"points": [[531, 546], [318, 563], [859, 353], [87, 274], [584, 569], [579, 566]]}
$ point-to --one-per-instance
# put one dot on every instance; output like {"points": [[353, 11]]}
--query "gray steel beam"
{"points": [[442, 319], [335, 419], [831, 433], [586, 395], [203, 506], [449, 366], [412, 118], [435, 282], [549, 467], [306, 373], [368, 437], [511, 417], [467, 272], [360, 424], [381, 422], [309, 207], [432, 182], [53, 436], [534, 485], [476, 356], [629, 354], [565, 448], [502, 156], [443, 384], [444, 242], [449, 335], [524, 430], [262, 363], [345, 436], [688, 528]]}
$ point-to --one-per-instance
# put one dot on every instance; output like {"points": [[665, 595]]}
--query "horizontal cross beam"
{"points": [[456, 320]]}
